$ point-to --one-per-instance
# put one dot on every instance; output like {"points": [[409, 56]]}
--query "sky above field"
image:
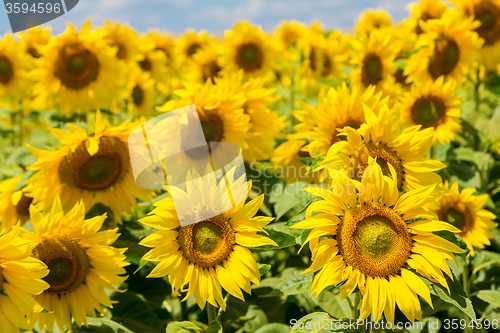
{"points": [[216, 16]]}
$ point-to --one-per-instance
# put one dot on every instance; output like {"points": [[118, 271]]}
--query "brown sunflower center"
{"points": [[6, 70], [384, 155], [445, 58], [138, 95], [77, 66], [210, 70], [121, 52], [375, 240], [192, 49], [67, 261], [428, 112], [324, 64], [371, 72], [22, 207], [33, 51], [457, 215], [249, 57], [98, 172], [146, 64], [489, 15], [207, 243]]}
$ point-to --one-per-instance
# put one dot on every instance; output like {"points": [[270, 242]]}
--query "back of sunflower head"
{"points": [[170, 152]]}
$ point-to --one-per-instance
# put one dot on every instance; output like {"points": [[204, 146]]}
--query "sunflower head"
{"points": [[14, 205], [371, 20], [34, 39], [426, 10], [124, 39]]}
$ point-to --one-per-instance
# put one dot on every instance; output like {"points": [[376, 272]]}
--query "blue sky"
{"points": [[216, 16]]}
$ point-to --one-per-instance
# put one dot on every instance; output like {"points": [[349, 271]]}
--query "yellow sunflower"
{"points": [[189, 43], [124, 39], [206, 65], [266, 124], [465, 211], [372, 20], [164, 43], [92, 167], [370, 242], [140, 94], [425, 10], [339, 108], [14, 72], [203, 257], [448, 47], [289, 33], [77, 71], [14, 205], [20, 278], [248, 48], [34, 39], [289, 164], [487, 12], [433, 104], [82, 265], [154, 62], [382, 137], [374, 59]]}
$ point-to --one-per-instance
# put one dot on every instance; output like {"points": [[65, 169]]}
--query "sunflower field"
{"points": [[370, 195]]}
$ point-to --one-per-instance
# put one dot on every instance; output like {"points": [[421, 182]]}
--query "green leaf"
{"points": [[182, 327], [101, 325], [214, 327], [296, 285], [455, 239], [320, 322], [264, 268], [142, 263], [292, 198], [283, 240], [489, 296], [334, 305], [274, 328], [479, 158], [456, 297]]}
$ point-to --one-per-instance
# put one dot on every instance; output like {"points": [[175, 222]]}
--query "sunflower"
{"points": [[290, 162], [124, 39], [164, 43], [382, 138], [370, 242], [206, 65], [487, 12], [448, 47], [289, 33], [140, 94], [425, 10], [81, 261], [154, 62], [339, 108], [374, 59], [266, 124], [433, 104], [371, 21], [248, 48], [77, 71], [93, 167], [14, 72], [190, 43], [20, 278], [204, 256], [14, 205], [34, 39], [465, 211]]}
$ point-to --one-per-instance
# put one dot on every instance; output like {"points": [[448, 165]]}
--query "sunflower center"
{"points": [[384, 155], [121, 53], [137, 95], [98, 172], [445, 58], [146, 64], [375, 240], [6, 72], [22, 207], [192, 49], [455, 218], [67, 261], [428, 112], [210, 70], [207, 243], [212, 128], [489, 16], [457, 215], [77, 66], [249, 57], [372, 70]]}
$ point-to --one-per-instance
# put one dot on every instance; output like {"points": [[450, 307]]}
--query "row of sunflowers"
{"points": [[372, 158]]}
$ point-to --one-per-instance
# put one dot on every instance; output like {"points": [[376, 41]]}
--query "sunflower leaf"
{"points": [[214, 327], [455, 239], [182, 327], [321, 322], [456, 297], [264, 268], [274, 328], [489, 296], [296, 285], [282, 239]]}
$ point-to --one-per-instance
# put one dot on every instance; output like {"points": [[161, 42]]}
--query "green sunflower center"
{"points": [[101, 169], [375, 240], [67, 261], [489, 16], [212, 128], [207, 243], [137, 95], [249, 56], [455, 218], [6, 71], [371, 70], [77, 66], [445, 58], [428, 112]]}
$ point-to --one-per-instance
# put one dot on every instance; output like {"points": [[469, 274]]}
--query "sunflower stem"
{"points": [[466, 285], [477, 83], [357, 299], [212, 313]]}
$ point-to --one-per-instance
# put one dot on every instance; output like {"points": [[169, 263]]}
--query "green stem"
{"points": [[477, 83], [432, 152], [466, 285], [357, 299], [212, 313]]}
